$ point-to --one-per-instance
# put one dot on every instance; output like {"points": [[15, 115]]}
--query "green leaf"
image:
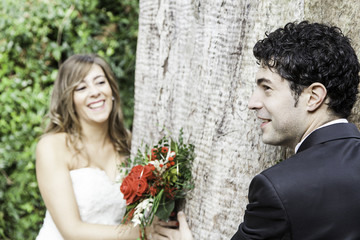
{"points": [[165, 209]]}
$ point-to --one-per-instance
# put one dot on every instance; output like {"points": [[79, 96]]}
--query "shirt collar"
{"points": [[340, 120]]}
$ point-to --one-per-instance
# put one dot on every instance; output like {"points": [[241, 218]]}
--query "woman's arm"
{"points": [[52, 169]]}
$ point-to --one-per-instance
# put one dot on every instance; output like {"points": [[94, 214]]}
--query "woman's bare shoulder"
{"points": [[52, 145], [54, 148], [57, 140]]}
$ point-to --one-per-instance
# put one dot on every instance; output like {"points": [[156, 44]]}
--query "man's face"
{"points": [[282, 123]]}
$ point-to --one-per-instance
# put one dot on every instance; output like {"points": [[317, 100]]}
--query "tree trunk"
{"points": [[195, 70]]}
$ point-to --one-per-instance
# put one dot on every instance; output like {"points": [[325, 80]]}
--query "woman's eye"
{"points": [[80, 88], [100, 81]]}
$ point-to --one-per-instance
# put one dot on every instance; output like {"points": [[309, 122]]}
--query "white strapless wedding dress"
{"points": [[99, 199]]}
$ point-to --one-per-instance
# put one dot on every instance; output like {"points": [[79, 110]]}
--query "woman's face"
{"points": [[93, 97]]}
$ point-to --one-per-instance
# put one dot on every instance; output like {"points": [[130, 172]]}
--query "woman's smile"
{"points": [[97, 105]]}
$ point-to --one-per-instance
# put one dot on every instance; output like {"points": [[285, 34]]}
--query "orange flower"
{"points": [[153, 191], [153, 151], [152, 167], [164, 149]]}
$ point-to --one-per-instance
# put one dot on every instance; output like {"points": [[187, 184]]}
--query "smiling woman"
{"points": [[36, 37], [73, 79], [80, 153], [93, 97]]}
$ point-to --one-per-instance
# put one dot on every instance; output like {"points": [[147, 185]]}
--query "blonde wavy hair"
{"points": [[62, 114]]}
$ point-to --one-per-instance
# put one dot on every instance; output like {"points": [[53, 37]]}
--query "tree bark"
{"points": [[195, 70]]}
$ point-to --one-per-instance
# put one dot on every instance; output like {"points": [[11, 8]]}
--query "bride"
{"points": [[78, 157]]}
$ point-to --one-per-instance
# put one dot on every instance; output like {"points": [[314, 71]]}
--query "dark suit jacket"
{"points": [[314, 194]]}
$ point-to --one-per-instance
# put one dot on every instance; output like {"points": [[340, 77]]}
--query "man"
{"points": [[306, 87]]}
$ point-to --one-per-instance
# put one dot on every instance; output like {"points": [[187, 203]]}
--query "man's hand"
{"points": [[162, 232]]}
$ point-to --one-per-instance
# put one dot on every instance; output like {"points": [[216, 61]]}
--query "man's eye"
{"points": [[265, 87]]}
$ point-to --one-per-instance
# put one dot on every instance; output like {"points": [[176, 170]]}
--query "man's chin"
{"points": [[269, 140]]}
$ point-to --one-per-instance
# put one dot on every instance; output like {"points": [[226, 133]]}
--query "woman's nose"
{"points": [[94, 91]]}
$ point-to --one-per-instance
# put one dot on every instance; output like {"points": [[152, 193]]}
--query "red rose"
{"points": [[136, 170], [148, 172], [129, 189], [135, 184], [142, 186], [142, 171]]}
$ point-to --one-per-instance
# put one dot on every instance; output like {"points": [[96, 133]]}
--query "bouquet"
{"points": [[160, 177]]}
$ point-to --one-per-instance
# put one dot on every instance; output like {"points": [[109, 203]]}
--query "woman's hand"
{"points": [[163, 232], [150, 230]]}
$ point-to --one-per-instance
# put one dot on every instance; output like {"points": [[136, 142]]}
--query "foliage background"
{"points": [[35, 37]]}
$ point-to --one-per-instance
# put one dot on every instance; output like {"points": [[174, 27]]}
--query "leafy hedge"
{"points": [[35, 37]]}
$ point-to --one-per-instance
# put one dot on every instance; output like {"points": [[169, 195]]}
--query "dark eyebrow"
{"points": [[263, 80]]}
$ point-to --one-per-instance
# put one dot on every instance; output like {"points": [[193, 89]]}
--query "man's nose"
{"points": [[254, 102]]}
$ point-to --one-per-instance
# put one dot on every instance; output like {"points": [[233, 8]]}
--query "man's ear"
{"points": [[317, 95]]}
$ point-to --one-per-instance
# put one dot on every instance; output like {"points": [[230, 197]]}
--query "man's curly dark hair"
{"points": [[304, 53]]}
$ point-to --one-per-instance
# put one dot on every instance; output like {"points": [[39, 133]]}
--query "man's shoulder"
{"points": [[319, 158], [339, 131]]}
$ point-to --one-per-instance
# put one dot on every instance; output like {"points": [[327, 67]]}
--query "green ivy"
{"points": [[35, 38]]}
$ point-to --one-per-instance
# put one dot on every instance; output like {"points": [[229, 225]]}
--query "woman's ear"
{"points": [[317, 95]]}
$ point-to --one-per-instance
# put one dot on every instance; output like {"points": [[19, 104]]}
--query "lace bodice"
{"points": [[99, 201]]}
